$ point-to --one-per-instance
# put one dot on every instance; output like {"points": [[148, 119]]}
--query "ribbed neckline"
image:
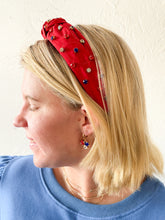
{"points": [[122, 208]]}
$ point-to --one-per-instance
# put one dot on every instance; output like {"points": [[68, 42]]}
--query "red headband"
{"points": [[74, 48]]}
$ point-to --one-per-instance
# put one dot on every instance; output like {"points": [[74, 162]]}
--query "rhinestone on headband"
{"points": [[88, 70], [66, 36], [91, 57], [82, 41], [53, 37], [76, 50], [62, 50], [73, 65], [85, 81], [59, 27]]}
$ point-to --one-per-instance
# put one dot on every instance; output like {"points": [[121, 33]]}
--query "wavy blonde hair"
{"points": [[122, 153]]}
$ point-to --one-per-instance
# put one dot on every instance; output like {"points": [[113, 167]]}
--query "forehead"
{"points": [[32, 84], [31, 80], [34, 87]]}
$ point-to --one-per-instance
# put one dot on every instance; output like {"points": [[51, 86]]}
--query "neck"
{"points": [[79, 182]]}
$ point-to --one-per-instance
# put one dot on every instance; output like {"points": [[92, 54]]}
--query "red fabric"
{"points": [[78, 55]]}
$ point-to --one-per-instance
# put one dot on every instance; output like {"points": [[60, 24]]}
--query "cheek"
{"points": [[49, 132], [43, 130], [58, 139]]}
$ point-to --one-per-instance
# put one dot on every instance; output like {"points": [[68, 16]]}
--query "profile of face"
{"points": [[53, 128]]}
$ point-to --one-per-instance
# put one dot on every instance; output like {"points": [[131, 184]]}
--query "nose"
{"points": [[20, 121]]}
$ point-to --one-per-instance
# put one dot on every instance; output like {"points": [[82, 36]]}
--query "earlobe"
{"points": [[88, 130]]}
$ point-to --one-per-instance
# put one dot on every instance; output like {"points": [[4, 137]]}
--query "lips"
{"points": [[32, 144], [31, 139]]}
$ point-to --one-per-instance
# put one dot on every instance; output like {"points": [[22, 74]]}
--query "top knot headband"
{"points": [[74, 48]]}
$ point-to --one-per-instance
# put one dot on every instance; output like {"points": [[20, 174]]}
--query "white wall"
{"points": [[140, 22]]}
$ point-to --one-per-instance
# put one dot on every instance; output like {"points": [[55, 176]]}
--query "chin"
{"points": [[44, 162], [40, 163]]}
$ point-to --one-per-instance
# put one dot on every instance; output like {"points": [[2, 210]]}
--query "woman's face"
{"points": [[54, 130]]}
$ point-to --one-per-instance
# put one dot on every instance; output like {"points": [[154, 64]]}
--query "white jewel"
{"points": [[88, 70], [59, 27]]}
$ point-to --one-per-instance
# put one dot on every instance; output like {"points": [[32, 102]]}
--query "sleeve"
{"points": [[4, 161]]}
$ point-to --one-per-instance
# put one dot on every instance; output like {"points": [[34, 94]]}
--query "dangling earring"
{"points": [[84, 142]]}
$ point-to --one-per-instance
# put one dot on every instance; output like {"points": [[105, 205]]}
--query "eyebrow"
{"points": [[30, 97]]}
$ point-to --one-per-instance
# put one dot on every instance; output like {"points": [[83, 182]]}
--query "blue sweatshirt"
{"points": [[31, 193]]}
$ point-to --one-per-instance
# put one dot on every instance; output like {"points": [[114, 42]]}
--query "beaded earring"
{"points": [[84, 142]]}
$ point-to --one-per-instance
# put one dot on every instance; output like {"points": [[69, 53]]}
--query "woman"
{"points": [[84, 114]]}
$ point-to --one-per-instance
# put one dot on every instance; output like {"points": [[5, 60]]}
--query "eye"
{"points": [[33, 107]]}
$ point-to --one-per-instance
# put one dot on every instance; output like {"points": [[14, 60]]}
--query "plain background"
{"points": [[140, 22]]}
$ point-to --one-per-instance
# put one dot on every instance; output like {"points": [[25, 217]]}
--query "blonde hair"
{"points": [[122, 153]]}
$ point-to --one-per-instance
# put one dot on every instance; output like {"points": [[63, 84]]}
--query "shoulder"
{"points": [[4, 161], [159, 195], [156, 202], [13, 162]]}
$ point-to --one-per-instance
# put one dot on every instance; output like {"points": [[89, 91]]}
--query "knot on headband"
{"points": [[74, 48]]}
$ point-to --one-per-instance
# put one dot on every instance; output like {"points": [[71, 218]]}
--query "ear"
{"points": [[87, 128]]}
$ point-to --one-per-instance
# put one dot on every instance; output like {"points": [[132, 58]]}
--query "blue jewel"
{"points": [[52, 37], [85, 81], [76, 50], [86, 144]]}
